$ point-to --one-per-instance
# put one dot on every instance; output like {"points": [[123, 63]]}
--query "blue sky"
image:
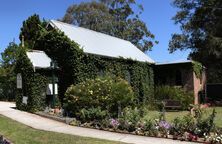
{"points": [[157, 16]]}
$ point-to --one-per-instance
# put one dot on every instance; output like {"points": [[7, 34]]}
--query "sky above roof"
{"points": [[157, 16]]}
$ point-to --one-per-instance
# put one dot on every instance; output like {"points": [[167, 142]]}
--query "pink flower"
{"points": [[114, 123]]}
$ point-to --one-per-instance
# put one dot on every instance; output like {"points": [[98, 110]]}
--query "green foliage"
{"points": [[182, 125], [66, 53], [174, 93], [109, 93], [7, 74], [91, 114], [76, 67], [197, 125], [31, 30], [205, 125], [197, 68], [34, 85], [117, 18], [200, 22], [148, 127], [129, 119]]}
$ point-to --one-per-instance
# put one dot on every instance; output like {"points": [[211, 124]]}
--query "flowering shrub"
{"points": [[110, 93], [184, 128], [163, 127], [129, 119], [147, 127]]}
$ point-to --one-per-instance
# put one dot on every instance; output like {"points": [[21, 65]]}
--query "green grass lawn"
{"points": [[21, 134], [170, 115]]}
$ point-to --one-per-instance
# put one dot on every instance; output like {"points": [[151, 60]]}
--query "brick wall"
{"points": [[166, 75]]}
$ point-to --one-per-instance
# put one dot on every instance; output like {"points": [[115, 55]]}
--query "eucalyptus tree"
{"points": [[113, 17], [201, 25]]}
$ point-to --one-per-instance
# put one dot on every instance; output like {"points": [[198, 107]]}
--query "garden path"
{"points": [[38, 122]]}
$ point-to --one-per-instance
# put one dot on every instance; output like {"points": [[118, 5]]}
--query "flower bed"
{"points": [[188, 128]]}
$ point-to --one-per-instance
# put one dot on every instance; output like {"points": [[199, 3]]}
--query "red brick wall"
{"points": [[189, 80], [199, 84]]}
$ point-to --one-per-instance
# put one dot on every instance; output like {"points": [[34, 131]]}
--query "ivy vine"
{"points": [[197, 68], [33, 85], [76, 66]]}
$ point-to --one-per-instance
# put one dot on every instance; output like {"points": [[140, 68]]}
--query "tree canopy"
{"points": [[7, 73], [31, 30], [113, 17], [201, 25]]}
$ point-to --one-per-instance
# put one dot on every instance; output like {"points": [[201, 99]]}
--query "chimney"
{"points": [[23, 45]]}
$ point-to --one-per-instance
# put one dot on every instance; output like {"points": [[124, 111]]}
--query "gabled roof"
{"points": [[39, 59], [101, 44]]}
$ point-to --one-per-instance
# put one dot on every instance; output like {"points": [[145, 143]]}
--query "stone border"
{"points": [[66, 120]]}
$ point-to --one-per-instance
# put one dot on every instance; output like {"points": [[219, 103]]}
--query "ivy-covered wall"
{"points": [[33, 85], [138, 74], [76, 66]]}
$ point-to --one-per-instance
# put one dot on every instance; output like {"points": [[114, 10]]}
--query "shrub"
{"points": [[174, 93], [147, 127], [109, 93], [129, 119], [205, 125], [182, 125], [91, 114]]}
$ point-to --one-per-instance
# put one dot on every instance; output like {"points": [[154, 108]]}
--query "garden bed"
{"points": [[91, 125]]}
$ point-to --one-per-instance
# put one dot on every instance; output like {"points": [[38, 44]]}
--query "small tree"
{"points": [[31, 30], [7, 73]]}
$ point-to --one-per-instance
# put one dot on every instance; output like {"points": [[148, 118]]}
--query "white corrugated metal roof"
{"points": [[39, 59], [101, 44], [174, 62]]}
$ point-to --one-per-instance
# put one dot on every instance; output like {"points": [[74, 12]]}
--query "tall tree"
{"points": [[31, 30], [113, 17], [7, 74], [201, 25]]}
